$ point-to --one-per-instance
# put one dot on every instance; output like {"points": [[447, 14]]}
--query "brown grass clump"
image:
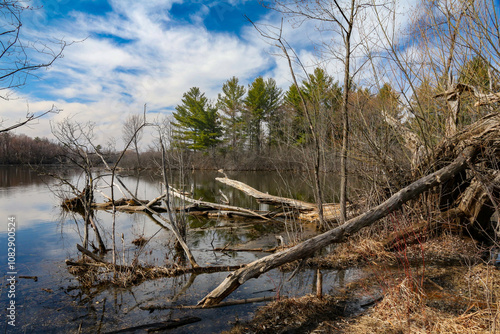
{"points": [[467, 306], [445, 249], [293, 315], [354, 253], [140, 241]]}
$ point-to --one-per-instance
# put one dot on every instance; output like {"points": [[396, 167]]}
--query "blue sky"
{"points": [[126, 53]]}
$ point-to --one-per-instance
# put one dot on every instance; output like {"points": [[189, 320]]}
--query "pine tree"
{"points": [[273, 112], [230, 102], [255, 104], [197, 122], [262, 103]]}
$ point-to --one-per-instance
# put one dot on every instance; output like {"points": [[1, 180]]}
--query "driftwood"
{"points": [[152, 271], [266, 198], [306, 211], [478, 143], [303, 211], [224, 304], [197, 207], [131, 205], [89, 254], [216, 206], [225, 249], [159, 326]]}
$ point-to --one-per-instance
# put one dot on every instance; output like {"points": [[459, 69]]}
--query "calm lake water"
{"points": [[46, 236]]}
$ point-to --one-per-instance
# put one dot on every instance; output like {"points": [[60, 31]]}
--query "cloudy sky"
{"points": [[123, 54]]}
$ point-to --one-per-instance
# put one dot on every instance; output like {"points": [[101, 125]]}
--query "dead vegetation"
{"points": [[439, 295], [292, 315], [455, 187], [467, 302], [93, 273]]}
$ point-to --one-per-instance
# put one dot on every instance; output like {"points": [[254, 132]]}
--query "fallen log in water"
{"points": [[217, 206], [158, 326], [130, 205], [306, 211], [198, 208], [144, 272], [300, 210], [266, 198], [225, 249], [154, 307]]}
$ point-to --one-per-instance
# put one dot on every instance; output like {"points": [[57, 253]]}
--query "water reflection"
{"points": [[59, 302]]}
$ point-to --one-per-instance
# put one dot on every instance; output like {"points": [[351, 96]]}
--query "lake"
{"points": [[57, 302]]}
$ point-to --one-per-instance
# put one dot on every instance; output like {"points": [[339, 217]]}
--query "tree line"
{"points": [[262, 117], [21, 149]]}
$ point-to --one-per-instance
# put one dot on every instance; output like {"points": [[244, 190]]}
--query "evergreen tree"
{"points": [[323, 97], [197, 122], [273, 112], [262, 104], [230, 102], [256, 104]]}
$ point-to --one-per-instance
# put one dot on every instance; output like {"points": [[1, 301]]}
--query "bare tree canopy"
{"points": [[132, 133], [21, 57]]}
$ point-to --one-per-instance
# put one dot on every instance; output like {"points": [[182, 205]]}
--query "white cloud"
{"points": [[139, 54], [156, 64]]}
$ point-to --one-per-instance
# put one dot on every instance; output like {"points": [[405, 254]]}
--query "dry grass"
{"points": [[293, 315], [354, 253], [404, 309], [445, 249], [438, 286]]}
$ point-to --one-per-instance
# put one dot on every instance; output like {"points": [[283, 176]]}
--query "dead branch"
{"points": [[89, 254], [224, 304], [485, 99], [225, 249], [180, 195], [159, 326], [306, 211]]}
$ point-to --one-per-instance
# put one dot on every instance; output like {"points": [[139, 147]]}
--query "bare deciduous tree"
{"points": [[132, 133], [338, 18]]}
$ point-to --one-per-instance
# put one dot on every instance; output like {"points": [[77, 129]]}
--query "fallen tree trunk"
{"points": [[301, 210], [339, 234], [183, 197], [224, 304], [158, 326], [306, 211], [266, 198]]}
